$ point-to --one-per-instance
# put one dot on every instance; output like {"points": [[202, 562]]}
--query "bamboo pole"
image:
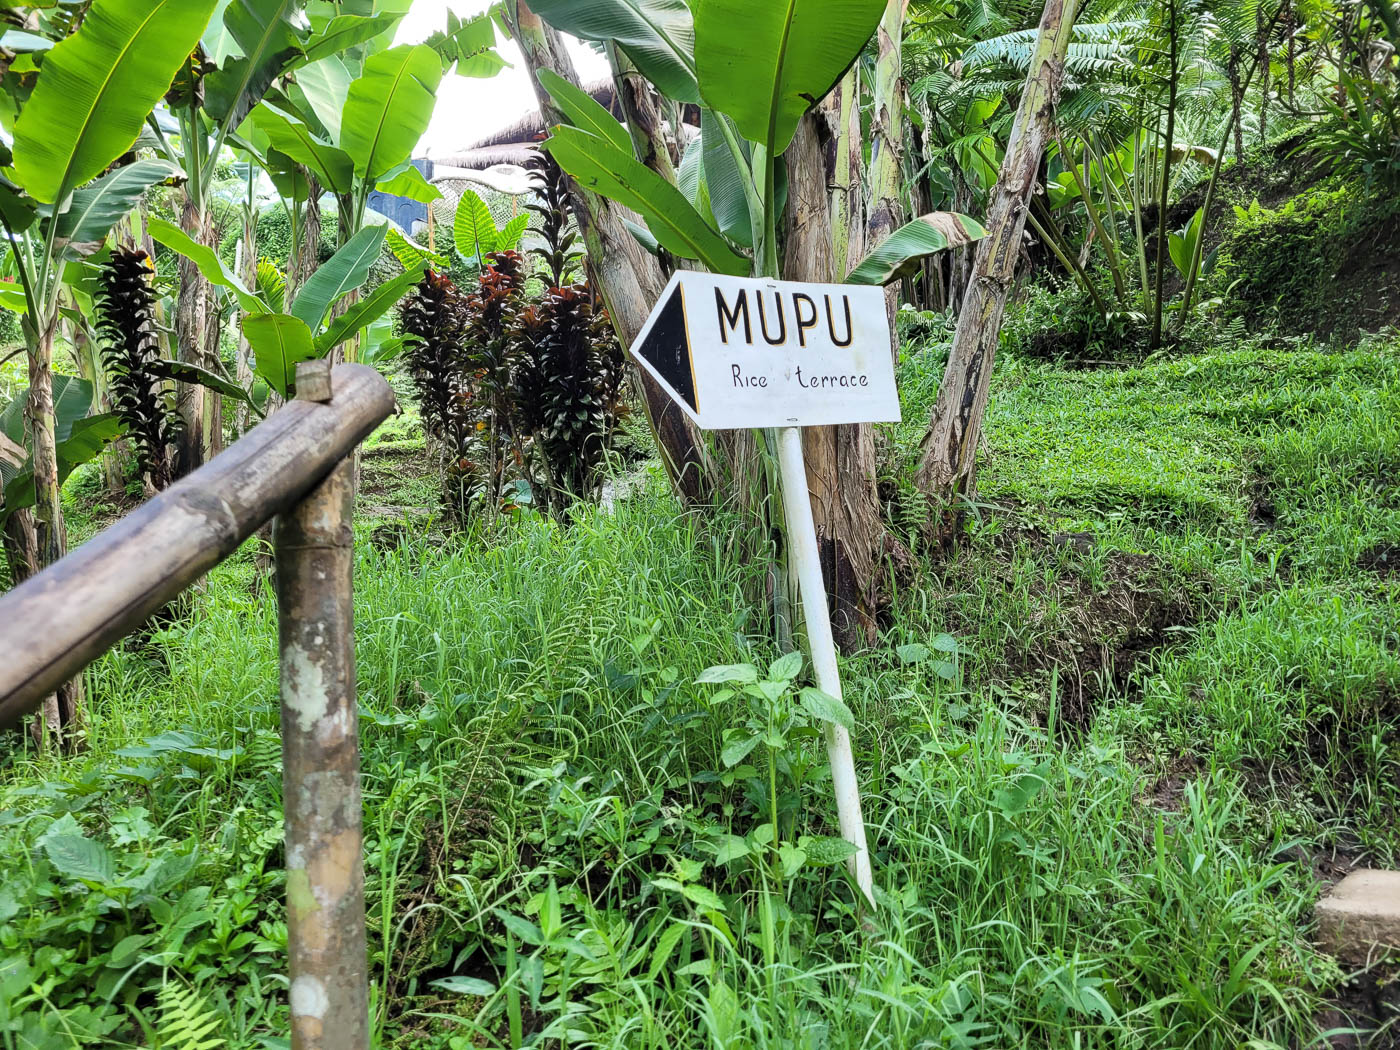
{"points": [[57, 622], [320, 757]]}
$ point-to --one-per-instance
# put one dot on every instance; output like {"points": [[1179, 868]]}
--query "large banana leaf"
{"points": [[407, 181], [470, 44], [208, 261], [344, 32], [584, 111], [279, 342], [325, 85], [98, 207], [600, 167], [368, 310], [96, 88], [412, 255], [344, 271], [72, 399], [388, 108], [81, 442], [474, 229], [766, 64], [657, 35], [898, 255], [264, 35], [331, 165], [724, 181]]}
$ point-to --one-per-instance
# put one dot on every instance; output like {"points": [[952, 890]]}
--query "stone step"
{"points": [[1360, 918]]}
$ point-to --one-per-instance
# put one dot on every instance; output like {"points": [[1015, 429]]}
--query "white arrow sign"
{"points": [[739, 352]]}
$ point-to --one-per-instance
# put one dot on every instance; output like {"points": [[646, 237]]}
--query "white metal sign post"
{"points": [[737, 352]]}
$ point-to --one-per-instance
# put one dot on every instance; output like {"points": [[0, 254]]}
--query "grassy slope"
{"points": [[1073, 850]]}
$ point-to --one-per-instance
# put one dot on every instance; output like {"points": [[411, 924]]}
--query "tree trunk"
{"points": [[629, 280], [190, 335], [248, 273], [60, 719], [886, 147], [823, 216], [654, 147], [949, 462], [1163, 258]]}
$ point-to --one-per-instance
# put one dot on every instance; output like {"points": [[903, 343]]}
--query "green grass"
{"points": [[549, 819]]}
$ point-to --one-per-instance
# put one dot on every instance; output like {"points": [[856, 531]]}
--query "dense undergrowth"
{"points": [[1111, 747]]}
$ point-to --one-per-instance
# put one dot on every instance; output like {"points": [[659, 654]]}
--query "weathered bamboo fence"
{"points": [[296, 467]]}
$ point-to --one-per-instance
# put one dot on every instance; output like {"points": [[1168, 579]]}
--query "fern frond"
{"points": [[187, 1022]]}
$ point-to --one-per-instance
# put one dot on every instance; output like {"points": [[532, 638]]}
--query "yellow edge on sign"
{"points": [[689, 352]]}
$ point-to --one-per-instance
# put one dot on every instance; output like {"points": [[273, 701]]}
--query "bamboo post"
{"points": [[806, 563], [320, 757]]}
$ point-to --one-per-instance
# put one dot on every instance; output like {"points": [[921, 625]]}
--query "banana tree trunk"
{"points": [[248, 273], [823, 221], [948, 468], [655, 144], [629, 279], [190, 336], [60, 719], [886, 144]]}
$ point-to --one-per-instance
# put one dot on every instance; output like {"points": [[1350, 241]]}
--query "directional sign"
{"points": [[739, 352]]}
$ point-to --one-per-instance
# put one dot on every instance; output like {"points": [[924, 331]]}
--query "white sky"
{"points": [[467, 108]]}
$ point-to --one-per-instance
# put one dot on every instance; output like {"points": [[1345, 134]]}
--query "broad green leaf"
{"points": [[410, 254], [187, 373], [272, 286], [289, 135], [388, 108], [409, 182], [263, 31], [344, 32], [826, 708], [944, 643], [12, 297], [731, 847], [279, 343], [474, 230], [79, 857], [703, 897], [208, 261], [344, 271], [469, 44], [899, 254], [912, 653], [785, 668], [96, 88], [766, 64], [16, 210], [96, 208], [825, 849], [657, 35], [1013, 800], [618, 176], [523, 929], [286, 175], [738, 749], [724, 186], [743, 673], [325, 85], [366, 311], [72, 400], [665, 945], [466, 986], [584, 111], [792, 858], [510, 235]]}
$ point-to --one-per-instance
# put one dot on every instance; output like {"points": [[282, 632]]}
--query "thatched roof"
{"points": [[517, 153]]}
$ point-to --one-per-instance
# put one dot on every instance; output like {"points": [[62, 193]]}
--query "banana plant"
{"points": [[92, 95], [754, 86], [281, 336]]}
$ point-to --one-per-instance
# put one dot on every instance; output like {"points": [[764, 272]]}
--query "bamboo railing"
{"points": [[296, 467]]}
